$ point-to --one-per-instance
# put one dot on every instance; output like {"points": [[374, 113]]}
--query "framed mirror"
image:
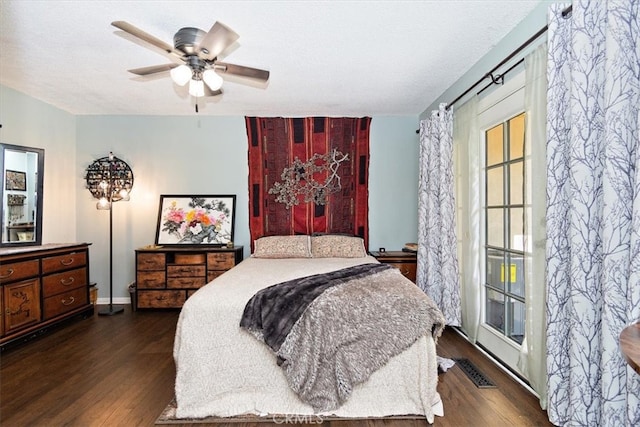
{"points": [[21, 191]]}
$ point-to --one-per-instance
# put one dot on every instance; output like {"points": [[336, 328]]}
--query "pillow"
{"points": [[337, 246], [282, 247]]}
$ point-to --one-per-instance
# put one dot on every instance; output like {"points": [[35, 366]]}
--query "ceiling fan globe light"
{"points": [[212, 79], [196, 88], [181, 74]]}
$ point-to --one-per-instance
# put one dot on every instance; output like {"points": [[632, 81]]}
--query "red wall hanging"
{"points": [[308, 175]]}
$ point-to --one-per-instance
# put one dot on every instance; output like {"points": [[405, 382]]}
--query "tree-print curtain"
{"points": [[278, 144], [593, 211], [437, 270]]}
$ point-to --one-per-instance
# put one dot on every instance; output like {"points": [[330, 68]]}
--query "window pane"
{"points": [[495, 310], [495, 268], [495, 188], [516, 137], [515, 323], [516, 275], [516, 183], [495, 227], [516, 229], [495, 153]]}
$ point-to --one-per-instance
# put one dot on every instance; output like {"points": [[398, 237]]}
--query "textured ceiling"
{"points": [[350, 58]]}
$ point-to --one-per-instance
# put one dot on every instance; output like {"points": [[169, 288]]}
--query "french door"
{"points": [[504, 255]]}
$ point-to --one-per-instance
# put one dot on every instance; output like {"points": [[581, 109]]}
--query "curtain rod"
{"points": [[499, 78]]}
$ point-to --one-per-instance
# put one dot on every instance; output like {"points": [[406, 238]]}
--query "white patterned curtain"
{"points": [[437, 272], [593, 211]]}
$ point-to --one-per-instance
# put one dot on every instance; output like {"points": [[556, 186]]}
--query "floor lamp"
{"points": [[109, 179]]}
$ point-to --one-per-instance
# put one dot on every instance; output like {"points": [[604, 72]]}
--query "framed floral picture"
{"points": [[196, 220]]}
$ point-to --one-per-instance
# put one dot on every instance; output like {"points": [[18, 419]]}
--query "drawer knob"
{"points": [[66, 262], [70, 301], [161, 298], [67, 282], [9, 273]]}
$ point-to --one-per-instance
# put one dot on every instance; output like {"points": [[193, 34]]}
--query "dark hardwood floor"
{"points": [[119, 371]]}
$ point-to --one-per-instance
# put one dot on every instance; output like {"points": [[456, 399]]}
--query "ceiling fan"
{"points": [[195, 55]]}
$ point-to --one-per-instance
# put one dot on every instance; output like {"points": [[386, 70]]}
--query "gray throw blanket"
{"points": [[331, 331]]}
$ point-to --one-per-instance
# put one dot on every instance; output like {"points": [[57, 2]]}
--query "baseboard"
{"points": [[120, 300]]}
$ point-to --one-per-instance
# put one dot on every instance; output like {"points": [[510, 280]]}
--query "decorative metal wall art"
{"points": [[299, 179]]}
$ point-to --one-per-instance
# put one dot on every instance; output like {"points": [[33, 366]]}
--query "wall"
{"points": [[208, 155], [529, 26], [32, 123], [180, 155]]}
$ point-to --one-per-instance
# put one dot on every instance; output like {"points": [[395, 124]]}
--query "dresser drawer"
{"points": [[189, 258], [62, 303], [64, 262], [186, 271], [150, 279], [63, 282], [212, 274], [151, 261], [11, 272], [408, 270], [221, 261], [161, 299], [186, 282]]}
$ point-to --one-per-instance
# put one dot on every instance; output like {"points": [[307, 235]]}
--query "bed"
{"points": [[223, 370]]}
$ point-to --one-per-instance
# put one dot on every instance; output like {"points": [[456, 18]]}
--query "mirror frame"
{"points": [[39, 195]]}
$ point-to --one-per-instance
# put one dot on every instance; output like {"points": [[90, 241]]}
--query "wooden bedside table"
{"points": [[406, 262]]}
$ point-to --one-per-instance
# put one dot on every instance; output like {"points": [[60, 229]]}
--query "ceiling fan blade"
{"points": [[216, 41], [143, 35], [152, 69], [209, 92], [242, 71]]}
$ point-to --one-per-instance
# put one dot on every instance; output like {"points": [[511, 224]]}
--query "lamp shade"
{"points": [[196, 88], [109, 179], [212, 79], [181, 74]]}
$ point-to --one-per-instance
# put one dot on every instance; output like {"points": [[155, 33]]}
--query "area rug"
{"points": [[168, 416]]}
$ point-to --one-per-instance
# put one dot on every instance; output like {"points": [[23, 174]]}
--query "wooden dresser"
{"points": [[167, 276], [42, 286], [406, 262]]}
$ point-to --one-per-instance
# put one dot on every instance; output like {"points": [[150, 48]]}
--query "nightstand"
{"points": [[406, 262]]}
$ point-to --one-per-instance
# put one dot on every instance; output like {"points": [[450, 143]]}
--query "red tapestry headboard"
{"points": [[293, 159]]}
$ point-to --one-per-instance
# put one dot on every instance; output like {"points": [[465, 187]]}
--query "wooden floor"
{"points": [[119, 371]]}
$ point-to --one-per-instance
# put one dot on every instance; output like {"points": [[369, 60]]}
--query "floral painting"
{"points": [[195, 220]]}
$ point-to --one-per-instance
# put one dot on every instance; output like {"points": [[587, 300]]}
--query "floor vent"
{"points": [[478, 378]]}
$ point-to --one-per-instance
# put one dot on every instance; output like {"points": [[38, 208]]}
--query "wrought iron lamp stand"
{"points": [[109, 179]]}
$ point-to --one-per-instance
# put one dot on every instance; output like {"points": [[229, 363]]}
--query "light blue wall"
{"points": [[529, 26], [29, 122], [180, 155], [393, 182], [208, 155]]}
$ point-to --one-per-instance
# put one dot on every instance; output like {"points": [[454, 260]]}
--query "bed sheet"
{"points": [[222, 370]]}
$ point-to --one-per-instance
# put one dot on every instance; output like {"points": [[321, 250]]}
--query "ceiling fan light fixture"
{"points": [[181, 74], [212, 79], [196, 88]]}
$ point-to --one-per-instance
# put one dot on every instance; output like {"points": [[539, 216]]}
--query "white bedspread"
{"points": [[224, 371]]}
